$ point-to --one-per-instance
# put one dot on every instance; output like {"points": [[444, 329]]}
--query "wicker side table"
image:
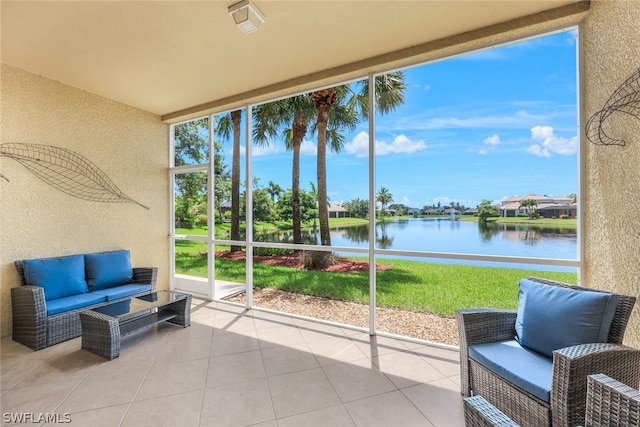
{"points": [[480, 413]]}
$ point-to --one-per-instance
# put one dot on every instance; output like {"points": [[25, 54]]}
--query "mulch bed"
{"points": [[339, 265]]}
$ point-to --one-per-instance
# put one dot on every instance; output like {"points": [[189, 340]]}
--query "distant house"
{"points": [[336, 210], [432, 211], [558, 210], [548, 206], [470, 211]]}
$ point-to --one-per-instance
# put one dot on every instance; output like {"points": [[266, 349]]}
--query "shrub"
{"points": [[272, 251]]}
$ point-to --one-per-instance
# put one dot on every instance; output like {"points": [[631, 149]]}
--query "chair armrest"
{"points": [[611, 403], [146, 275], [479, 326], [484, 325], [480, 413], [29, 312], [571, 367]]}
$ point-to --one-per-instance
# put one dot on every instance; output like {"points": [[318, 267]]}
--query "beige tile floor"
{"points": [[234, 367]]}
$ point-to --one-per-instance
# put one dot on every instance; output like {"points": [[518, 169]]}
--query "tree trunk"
{"points": [[323, 99], [235, 180], [299, 131]]}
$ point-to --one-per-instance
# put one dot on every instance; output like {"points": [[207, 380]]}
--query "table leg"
{"points": [[100, 334]]}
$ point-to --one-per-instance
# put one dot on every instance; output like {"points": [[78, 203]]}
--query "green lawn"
{"points": [[422, 286], [539, 222]]}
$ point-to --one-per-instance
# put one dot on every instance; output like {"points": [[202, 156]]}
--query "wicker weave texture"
{"points": [[611, 403], [570, 369], [35, 329], [480, 413], [102, 334]]}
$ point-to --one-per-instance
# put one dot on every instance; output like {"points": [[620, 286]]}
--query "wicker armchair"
{"points": [[611, 403], [571, 366]]}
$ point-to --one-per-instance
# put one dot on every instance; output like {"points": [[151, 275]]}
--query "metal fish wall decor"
{"points": [[626, 99], [67, 171]]}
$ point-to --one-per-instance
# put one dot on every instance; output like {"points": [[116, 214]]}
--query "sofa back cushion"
{"points": [[60, 276], [553, 317], [108, 269]]}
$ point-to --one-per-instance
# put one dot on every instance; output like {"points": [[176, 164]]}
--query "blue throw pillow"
{"points": [[552, 317], [60, 277], [108, 269]]}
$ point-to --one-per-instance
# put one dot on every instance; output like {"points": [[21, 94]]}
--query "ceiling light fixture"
{"points": [[247, 17]]}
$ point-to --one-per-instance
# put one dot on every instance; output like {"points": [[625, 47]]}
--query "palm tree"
{"points": [[339, 108], [274, 190], [384, 197], [227, 124], [291, 116], [529, 206]]}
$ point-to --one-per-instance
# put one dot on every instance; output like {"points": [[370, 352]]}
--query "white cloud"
{"points": [[407, 202], [545, 143], [359, 145], [490, 143], [400, 144], [309, 148], [260, 150]]}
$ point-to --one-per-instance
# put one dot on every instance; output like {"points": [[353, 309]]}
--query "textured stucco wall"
{"points": [[128, 145], [611, 54]]}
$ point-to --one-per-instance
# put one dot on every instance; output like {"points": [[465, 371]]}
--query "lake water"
{"points": [[464, 237]]}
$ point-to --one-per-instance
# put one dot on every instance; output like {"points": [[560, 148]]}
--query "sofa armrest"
{"points": [[479, 326], [611, 403], [146, 275], [572, 366], [29, 313]]}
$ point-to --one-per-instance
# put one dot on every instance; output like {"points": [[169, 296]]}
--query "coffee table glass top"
{"points": [[139, 304]]}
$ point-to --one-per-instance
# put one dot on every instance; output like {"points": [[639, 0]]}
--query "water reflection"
{"points": [[487, 230], [445, 235]]}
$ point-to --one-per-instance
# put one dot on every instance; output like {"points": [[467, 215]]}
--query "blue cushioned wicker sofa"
{"points": [[46, 307]]}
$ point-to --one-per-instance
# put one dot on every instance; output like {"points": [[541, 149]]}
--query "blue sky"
{"points": [[486, 125]]}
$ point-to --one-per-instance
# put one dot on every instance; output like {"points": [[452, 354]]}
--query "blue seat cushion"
{"points": [[552, 317], [107, 269], [73, 302], [122, 291], [525, 368], [60, 277]]}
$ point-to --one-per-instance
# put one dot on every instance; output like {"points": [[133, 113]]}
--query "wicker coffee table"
{"points": [[103, 327]]}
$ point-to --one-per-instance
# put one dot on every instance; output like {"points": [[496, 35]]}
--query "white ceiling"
{"points": [[167, 56]]}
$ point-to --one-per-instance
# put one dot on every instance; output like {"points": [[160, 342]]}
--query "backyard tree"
{"points": [[264, 209], [384, 197], [227, 125], [486, 209], [191, 142], [308, 209], [288, 118], [357, 207], [190, 147], [221, 179], [341, 108], [529, 206], [274, 190]]}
